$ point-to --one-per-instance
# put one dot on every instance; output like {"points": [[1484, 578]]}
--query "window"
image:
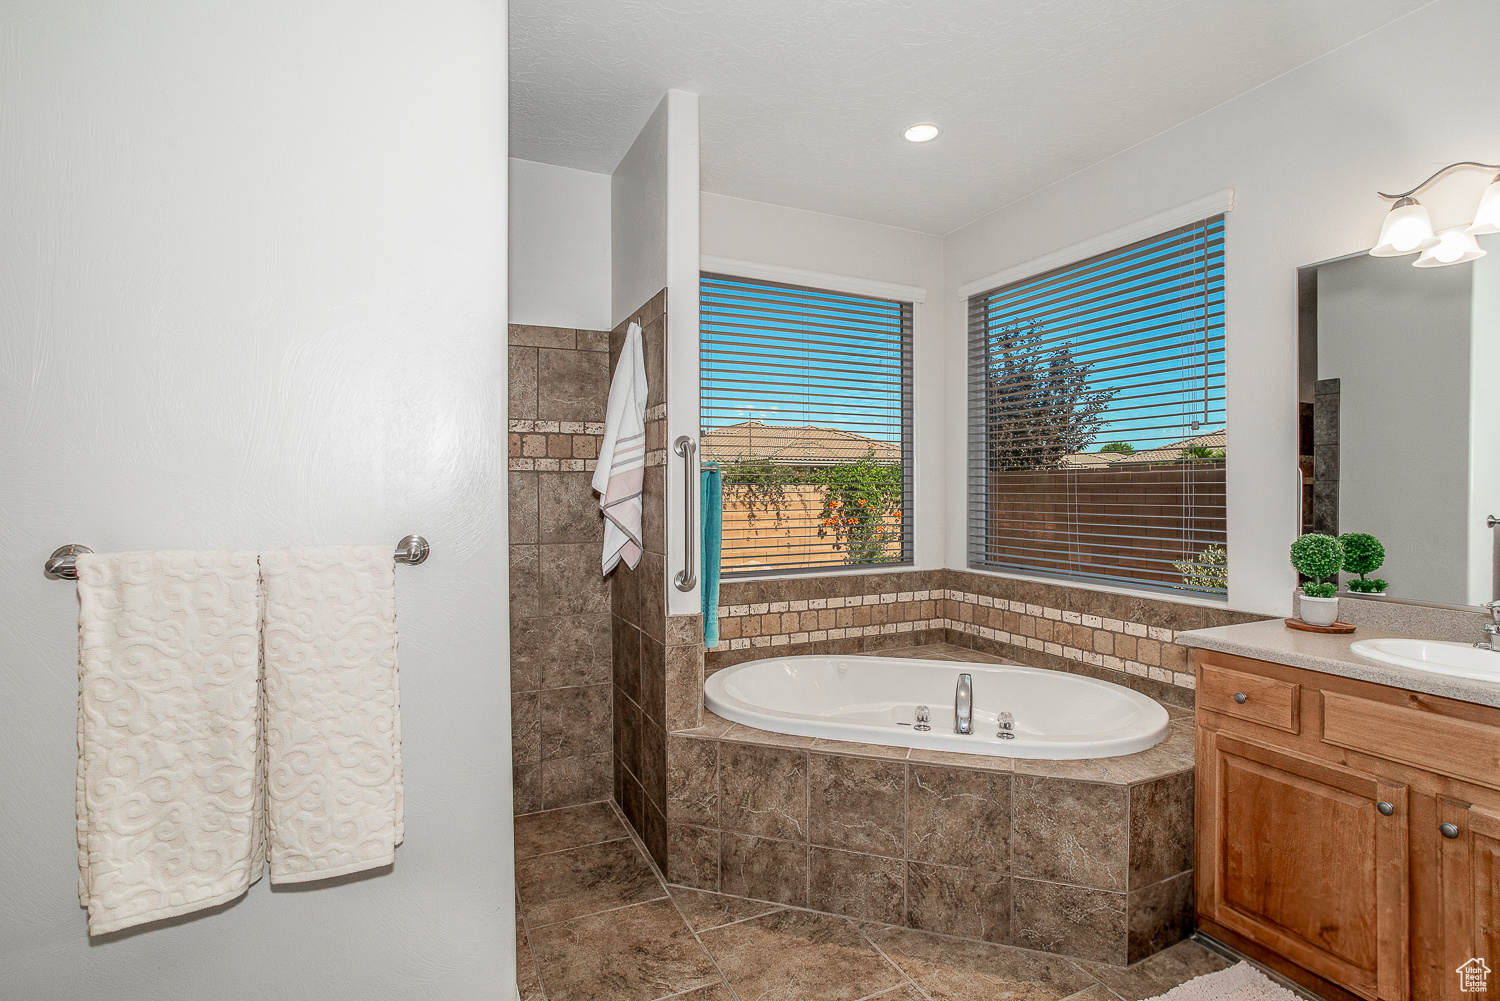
{"points": [[1097, 442], [806, 406]]}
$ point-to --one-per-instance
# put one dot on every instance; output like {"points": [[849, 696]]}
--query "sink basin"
{"points": [[1433, 656]]}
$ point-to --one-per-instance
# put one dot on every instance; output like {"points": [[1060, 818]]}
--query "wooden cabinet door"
{"points": [[1470, 882], [1306, 863]]}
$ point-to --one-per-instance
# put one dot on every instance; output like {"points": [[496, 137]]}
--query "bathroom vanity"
{"points": [[1348, 814]]}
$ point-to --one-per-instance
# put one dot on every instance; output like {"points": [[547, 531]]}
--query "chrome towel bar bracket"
{"points": [[63, 563]]}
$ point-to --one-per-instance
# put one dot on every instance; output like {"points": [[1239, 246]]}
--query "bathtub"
{"points": [[874, 700]]}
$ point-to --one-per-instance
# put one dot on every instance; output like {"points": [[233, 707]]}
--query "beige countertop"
{"points": [[1330, 654]]}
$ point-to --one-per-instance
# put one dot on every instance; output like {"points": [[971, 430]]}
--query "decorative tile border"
{"points": [[1133, 648]]}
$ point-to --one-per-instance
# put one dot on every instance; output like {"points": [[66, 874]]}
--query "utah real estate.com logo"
{"points": [[1473, 977]]}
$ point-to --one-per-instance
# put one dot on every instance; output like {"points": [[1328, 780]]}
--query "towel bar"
{"points": [[687, 577], [63, 565]]}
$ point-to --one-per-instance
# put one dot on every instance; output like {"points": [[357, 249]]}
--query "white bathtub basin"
{"points": [[874, 700]]}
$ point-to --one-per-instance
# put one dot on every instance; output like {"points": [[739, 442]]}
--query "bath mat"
{"points": [[1241, 982]]}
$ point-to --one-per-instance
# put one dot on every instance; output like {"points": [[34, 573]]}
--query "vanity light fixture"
{"points": [[1454, 246], [921, 132], [1408, 230]]}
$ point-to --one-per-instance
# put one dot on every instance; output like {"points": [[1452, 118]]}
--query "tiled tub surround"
{"points": [[1090, 859], [560, 611], [596, 923], [1121, 638]]}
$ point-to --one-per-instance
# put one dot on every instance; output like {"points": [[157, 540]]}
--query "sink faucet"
{"points": [[1491, 639], [963, 703]]}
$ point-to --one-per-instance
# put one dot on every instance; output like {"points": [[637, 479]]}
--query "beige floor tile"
{"points": [[956, 970], [1159, 973], [705, 910], [571, 827], [569, 884], [799, 956], [638, 953]]}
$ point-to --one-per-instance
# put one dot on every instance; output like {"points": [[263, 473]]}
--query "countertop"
{"points": [[1329, 654]]}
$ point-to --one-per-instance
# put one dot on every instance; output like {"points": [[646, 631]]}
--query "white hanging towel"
{"points": [[333, 724], [622, 455], [170, 808]]}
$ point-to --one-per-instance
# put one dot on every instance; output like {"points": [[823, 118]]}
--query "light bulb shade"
{"points": [[921, 132], [1487, 216], [1454, 246], [1406, 230]]}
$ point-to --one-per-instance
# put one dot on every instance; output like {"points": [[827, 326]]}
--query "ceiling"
{"points": [[803, 101]]}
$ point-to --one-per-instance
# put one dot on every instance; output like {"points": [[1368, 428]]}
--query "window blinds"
{"points": [[805, 398], [1097, 439]]}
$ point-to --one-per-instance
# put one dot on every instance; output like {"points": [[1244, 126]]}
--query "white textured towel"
{"points": [[333, 725], [170, 816], [622, 455]]}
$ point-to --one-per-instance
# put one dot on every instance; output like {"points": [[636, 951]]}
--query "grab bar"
{"points": [[687, 577], [63, 563]]}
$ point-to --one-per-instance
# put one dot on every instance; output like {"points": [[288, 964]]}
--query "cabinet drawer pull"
{"points": [[1241, 698], [1386, 809], [1449, 830]]}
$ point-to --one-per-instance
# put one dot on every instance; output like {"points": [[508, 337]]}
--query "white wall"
{"points": [[759, 233], [252, 294], [1305, 155], [1397, 338], [559, 246], [683, 239], [638, 219]]}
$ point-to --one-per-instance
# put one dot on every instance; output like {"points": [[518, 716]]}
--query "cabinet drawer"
{"points": [[1453, 747], [1249, 696]]}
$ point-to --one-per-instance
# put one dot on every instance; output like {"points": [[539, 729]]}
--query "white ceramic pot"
{"points": [[1318, 611]]}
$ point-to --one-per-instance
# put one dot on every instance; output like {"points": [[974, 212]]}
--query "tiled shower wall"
{"points": [[560, 605], [658, 659]]}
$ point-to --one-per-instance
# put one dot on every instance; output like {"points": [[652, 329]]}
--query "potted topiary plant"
{"points": [[1363, 554], [1318, 556]]}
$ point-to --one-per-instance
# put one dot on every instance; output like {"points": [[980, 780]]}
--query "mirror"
{"points": [[1399, 408]]}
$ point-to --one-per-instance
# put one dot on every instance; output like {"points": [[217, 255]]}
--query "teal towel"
{"points": [[712, 505]]}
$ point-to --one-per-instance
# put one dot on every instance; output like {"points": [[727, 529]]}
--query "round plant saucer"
{"points": [[1337, 627]]}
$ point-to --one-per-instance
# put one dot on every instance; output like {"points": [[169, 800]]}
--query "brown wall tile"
{"points": [[1160, 915], [1070, 832], [1069, 920], [692, 781], [858, 886], [959, 818], [570, 781], [763, 868], [568, 511], [1161, 829], [692, 856], [969, 903], [571, 721], [857, 804], [571, 385], [763, 791]]}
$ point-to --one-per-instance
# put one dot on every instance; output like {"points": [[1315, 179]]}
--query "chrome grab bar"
{"points": [[63, 563], [687, 577]]}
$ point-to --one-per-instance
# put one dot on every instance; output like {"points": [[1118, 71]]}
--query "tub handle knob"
{"points": [[924, 714], [1241, 698]]}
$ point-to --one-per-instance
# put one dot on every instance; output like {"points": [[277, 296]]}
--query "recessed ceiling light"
{"points": [[920, 133]]}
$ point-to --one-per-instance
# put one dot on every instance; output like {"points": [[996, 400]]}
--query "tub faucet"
{"points": [[1491, 639], [963, 705]]}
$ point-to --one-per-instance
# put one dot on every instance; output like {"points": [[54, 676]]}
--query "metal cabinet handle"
{"points": [[1241, 698], [1449, 830], [687, 577], [1386, 809]]}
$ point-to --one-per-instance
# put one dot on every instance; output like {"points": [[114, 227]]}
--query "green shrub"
{"points": [[1320, 590], [1318, 556], [1363, 554], [1208, 571]]}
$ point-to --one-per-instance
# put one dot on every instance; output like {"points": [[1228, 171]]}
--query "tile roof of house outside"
{"points": [[1166, 454], [798, 444]]}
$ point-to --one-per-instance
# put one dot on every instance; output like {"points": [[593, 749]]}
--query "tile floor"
{"points": [[597, 923]]}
